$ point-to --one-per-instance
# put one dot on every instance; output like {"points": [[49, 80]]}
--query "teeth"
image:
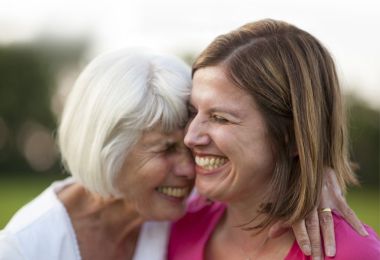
{"points": [[209, 162], [173, 191]]}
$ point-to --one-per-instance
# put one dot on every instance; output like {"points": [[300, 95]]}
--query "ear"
{"points": [[293, 151]]}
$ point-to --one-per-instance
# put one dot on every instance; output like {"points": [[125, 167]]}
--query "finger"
{"points": [[328, 233], [278, 229], [350, 216], [312, 226], [302, 237]]}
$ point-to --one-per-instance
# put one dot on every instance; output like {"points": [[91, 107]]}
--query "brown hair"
{"points": [[292, 78]]}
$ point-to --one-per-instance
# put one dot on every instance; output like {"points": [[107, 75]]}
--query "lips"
{"points": [[210, 162], [175, 192]]}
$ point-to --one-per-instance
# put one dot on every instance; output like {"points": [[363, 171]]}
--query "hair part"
{"points": [[117, 97], [292, 78]]}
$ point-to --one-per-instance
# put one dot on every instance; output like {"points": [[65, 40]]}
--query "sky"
{"points": [[349, 29]]}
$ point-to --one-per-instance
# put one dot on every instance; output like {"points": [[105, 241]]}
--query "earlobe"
{"points": [[293, 151]]}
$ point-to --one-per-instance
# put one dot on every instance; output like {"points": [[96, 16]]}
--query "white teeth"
{"points": [[209, 162], [173, 191]]}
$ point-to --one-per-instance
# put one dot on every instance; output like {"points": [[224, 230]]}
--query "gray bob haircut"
{"points": [[116, 98]]}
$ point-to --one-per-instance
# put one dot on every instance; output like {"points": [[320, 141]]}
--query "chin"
{"points": [[169, 213], [176, 214], [214, 195], [207, 191]]}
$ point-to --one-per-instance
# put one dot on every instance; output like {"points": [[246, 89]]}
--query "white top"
{"points": [[42, 230]]}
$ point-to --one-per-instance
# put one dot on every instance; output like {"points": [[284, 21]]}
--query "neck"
{"points": [[104, 228], [116, 218], [229, 239], [238, 217], [243, 210], [245, 213], [244, 244]]}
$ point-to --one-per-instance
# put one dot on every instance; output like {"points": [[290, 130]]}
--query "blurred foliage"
{"points": [[28, 78], [25, 86], [364, 129]]}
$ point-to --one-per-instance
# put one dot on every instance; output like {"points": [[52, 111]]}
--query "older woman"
{"points": [[121, 138], [267, 118]]}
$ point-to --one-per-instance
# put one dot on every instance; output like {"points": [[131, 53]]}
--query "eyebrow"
{"points": [[215, 109]]}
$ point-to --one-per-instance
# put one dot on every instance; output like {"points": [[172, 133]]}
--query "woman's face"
{"points": [[158, 175], [228, 138]]}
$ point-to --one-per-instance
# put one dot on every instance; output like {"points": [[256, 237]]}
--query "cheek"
{"points": [[161, 166], [267, 151], [153, 174], [139, 186], [232, 143], [223, 138], [261, 159], [248, 150]]}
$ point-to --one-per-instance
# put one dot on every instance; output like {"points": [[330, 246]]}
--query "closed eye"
{"points": [[170, 148], [192, 112], [219, 119]]}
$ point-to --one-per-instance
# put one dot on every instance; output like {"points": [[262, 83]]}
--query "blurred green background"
{"points": [[34, 79]]}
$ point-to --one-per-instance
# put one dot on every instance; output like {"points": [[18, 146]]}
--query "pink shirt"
{"points": [[190, 234]]}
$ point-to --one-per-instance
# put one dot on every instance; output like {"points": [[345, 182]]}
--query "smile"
{"points": [[210, 162], [174, 191]]}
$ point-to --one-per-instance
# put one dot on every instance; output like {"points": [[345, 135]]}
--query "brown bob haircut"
{"points": [[292, 78]]}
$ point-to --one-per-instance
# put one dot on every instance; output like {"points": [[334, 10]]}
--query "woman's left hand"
{"points": [[307, 232]]}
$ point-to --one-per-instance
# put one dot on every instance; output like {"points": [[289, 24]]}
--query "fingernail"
{"points": [[317, 258], [364, 232], [330, 251], [306, 249]]}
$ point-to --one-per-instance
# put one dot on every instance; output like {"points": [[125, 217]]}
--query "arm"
{"points": [[9, 248], [307, 232]]}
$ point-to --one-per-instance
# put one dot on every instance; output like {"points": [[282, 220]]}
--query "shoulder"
{"points": [[45, 205], [350, 245], [44, 217], [9, 248]]}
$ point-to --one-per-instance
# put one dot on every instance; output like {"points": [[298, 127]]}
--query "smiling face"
{"points": [[229, 139], [158, 175]]}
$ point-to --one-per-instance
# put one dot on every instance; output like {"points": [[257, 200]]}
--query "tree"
{"points": [[364, 129], [28, 78]]}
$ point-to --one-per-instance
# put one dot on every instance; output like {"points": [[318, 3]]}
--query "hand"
{"points": [[332, 197], [307, 232]]}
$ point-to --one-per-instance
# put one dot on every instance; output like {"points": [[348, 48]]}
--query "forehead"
{"points": [[157, 136], [211, 86]]}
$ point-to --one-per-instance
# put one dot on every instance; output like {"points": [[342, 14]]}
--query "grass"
{"points": [[16, 191], [366, 203]]}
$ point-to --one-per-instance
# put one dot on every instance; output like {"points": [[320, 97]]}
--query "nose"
{"points": [[184, 165], [195, 133]]}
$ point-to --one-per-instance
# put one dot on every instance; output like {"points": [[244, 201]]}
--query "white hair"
{"points": [[116, 98]]}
